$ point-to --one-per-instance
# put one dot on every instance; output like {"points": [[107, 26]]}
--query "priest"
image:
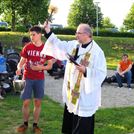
{"points": [[84, 74]]}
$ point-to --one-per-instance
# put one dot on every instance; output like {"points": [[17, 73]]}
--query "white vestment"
{"points": [[90, 86]]}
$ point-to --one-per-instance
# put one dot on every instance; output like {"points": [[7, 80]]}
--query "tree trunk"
{"points": [[13, 17]]}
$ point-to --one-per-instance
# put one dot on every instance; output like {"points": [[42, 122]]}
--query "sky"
{"points": [[116, 10]]}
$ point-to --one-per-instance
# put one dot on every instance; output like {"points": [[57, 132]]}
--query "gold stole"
{"points": [[74, 95], [68, 84]]}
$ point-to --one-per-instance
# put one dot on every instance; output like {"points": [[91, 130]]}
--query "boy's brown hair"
{"points": [[35, 28]]}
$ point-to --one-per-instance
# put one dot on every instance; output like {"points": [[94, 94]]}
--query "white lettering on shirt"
{"points": [[34, 53]]}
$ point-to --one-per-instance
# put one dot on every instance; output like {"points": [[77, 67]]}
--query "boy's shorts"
{"points": [[33, 87]]}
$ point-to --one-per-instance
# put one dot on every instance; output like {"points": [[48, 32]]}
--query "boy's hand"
{"points": [[18, 72], [37, 67]]}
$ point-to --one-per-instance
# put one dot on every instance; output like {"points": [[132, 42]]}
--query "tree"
{"points": [[9, 7], [106, 22], [83, 11], [23, 12], [33, 11], [129, 20]]}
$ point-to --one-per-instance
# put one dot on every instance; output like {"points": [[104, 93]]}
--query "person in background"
{"points": [[1, 97], [56, 66], [1, 48], [25, 40], [3, 69], [124, 71], [33, 75], [84, 74], [60, 73]]}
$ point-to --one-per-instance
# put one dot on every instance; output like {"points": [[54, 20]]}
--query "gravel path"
{"points": [[111, 95]]}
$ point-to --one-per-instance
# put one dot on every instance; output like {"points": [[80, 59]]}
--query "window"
{"points": [[56, 26], [3, 24]]}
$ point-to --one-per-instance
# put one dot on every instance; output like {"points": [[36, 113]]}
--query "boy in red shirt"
{"points": [[124, 70], [33, 74]]}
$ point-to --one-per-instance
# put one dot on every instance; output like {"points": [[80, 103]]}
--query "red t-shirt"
{"points": [[33, 56], [125, 65]]}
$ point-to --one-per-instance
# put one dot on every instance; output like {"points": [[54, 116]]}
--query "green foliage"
{"points": [[21, 28], [5, 29], [102, 32], [13, 39], [113, 47], [106, 22], [110, 33], [65, 31], [33, 11], [83, 11], [24, 12], [129, 20]]}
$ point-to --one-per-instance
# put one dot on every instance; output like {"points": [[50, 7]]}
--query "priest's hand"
{"points": [[47, 26], [81, 68]]}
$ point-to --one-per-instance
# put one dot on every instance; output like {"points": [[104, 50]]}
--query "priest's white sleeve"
{"points": [[96, 73], [55, 47]]}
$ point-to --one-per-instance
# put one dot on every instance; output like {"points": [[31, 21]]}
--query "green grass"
{"points": [[115, 121], [113, 47], [11, 115], [107, 121]]}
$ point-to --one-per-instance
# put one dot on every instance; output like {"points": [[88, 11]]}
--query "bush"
{"points": [[64, 31], [101, 32], [5, 29], [20, 29], [106, 33]]}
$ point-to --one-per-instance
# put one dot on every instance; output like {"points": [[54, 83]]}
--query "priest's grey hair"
{"points": [[87, 29]]}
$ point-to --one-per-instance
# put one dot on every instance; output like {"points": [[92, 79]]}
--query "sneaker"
{"points": [[120, 86], [22, 128], [1, 98], [37, 130], [130, 88]]}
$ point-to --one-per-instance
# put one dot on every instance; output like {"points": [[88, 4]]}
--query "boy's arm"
{"points": [[42, 67], [49, 65], [20, 65]]}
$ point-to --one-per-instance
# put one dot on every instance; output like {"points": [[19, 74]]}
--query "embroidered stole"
{"points": [[73, 95]]}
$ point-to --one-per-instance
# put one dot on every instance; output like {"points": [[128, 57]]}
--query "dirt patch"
{"points": [[111, 95]]}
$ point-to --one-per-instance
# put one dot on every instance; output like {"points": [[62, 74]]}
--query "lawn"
{"points": [[108, 120], [11, 116]]}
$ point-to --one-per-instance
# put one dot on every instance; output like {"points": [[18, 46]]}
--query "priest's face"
{"points": [[81, 35]]}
